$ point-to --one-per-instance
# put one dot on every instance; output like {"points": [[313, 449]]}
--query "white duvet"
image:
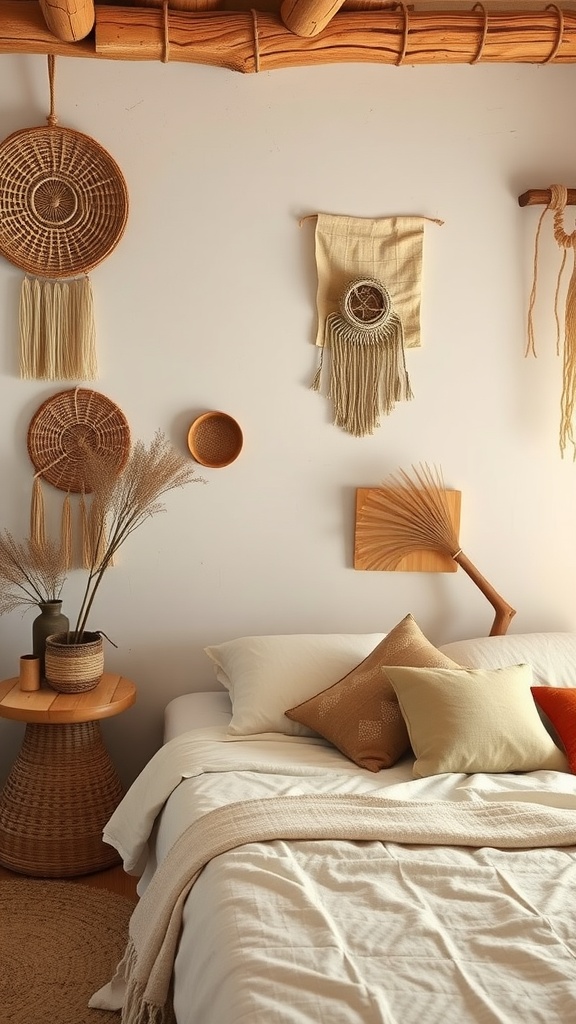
{"points": [[338, 932]]}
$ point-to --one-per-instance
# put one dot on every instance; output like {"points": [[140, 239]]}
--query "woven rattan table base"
{"points": [[60, 793]]}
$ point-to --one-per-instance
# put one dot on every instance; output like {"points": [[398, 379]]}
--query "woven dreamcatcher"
{"points": [[368, 369], [63, 209], [64, 432]]}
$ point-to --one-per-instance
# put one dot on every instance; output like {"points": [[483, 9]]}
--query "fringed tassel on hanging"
{"points": [[66, 533], [368, 370], [57, 330], [37, 514], [569, 368], [558, 201], [317, 378]]}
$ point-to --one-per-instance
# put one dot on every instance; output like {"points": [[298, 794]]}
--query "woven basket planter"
{"points": [[74, 668]]}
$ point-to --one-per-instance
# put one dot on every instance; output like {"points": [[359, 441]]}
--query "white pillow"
{"points": [[267, 674], [551, 655]]}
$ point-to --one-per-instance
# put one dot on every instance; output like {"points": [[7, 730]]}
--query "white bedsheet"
{"points": [[316, 932]]}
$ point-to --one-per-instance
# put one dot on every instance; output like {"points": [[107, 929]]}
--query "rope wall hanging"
{"points": [[63, 209], [368, 305], [558, 198], [63, 433]]}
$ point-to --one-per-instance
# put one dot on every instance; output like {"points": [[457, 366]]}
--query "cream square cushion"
{"points": [[359, 714], [474, 720], [267, 674]]}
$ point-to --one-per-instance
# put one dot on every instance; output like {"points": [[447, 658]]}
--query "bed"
{"points": [[285, 881]]}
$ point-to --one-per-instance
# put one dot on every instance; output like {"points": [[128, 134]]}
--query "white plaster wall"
{"points": [[208, 302]]}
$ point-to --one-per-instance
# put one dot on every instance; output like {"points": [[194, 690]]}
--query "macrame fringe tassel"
{"points": [[37, 514], [316, 380], [568, 398], [368, 373], [57, 330], [66, 533]]}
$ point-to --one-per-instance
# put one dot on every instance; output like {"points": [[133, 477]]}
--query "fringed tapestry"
{"points": [[566, 335], [368, 303], [63, 209]]}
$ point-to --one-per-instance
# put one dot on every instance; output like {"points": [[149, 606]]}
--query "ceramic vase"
{"points": [[51, 620]]}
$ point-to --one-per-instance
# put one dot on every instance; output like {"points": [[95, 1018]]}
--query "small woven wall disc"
{"points": [[63, 201], [215, 439], [62, 428]]}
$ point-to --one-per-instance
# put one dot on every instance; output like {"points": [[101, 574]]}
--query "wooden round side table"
{"points": [[63, 786]]}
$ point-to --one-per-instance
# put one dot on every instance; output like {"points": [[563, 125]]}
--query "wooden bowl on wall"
{"points": [[215, 440]]}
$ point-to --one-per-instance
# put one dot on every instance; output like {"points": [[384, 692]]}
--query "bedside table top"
{"points": [[112, 695]]}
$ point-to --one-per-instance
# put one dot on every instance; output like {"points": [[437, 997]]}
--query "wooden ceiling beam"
{"points": [[68, 20], [248, 41]]}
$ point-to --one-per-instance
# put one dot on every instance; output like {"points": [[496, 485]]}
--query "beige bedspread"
{"points": [[143, 979]]}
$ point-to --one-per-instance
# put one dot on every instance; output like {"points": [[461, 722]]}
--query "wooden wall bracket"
{"points": [[542, 196]]}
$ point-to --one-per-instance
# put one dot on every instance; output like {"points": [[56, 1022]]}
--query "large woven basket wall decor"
{"points": [[63, 209], [62, 435]]}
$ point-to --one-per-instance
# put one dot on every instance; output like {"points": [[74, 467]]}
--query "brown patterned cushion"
{"points": [[360, 713]]}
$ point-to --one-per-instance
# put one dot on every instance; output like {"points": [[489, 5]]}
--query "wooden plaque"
{"points": [[420, 560]]}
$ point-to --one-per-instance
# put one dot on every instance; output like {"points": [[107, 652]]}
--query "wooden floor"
{"points": [[115, 879]]}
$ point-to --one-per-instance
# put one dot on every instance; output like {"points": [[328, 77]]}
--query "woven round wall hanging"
{"points": [[68, 423], [63, 209], [60, 434]]}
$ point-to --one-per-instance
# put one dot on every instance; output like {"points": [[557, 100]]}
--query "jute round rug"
{"points": [[59, 943]]}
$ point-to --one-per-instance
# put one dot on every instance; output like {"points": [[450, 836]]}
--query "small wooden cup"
{"points": [[29, 672]]}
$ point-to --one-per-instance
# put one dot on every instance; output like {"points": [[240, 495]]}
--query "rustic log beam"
{"points": [[252, 41], [258, 40], [308, 17], [68, 20]]}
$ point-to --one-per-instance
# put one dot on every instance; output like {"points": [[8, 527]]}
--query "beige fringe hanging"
{"points": [[63, 209], [368, 370], [567, 344], [57, 330]]}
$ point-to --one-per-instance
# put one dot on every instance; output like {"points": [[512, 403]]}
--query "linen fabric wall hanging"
{"points": [[565, 345], [368, 305], [63, 209], [63, 433]]}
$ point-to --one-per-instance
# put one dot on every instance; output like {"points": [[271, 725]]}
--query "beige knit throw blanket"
{"points": [[146, 969], [367, 366]]}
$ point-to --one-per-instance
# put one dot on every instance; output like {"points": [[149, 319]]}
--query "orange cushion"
{"points": [[559, 704]]}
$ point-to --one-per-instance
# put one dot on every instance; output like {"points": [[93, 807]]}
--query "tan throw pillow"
{"points": [[474, 720], [359, 714]]}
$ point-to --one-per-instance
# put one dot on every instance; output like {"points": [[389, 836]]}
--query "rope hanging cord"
{"points": [[480, 50], [166, 31], [559, 33], [566, 241], [405, 31], [256, 40], [52, 119]]}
